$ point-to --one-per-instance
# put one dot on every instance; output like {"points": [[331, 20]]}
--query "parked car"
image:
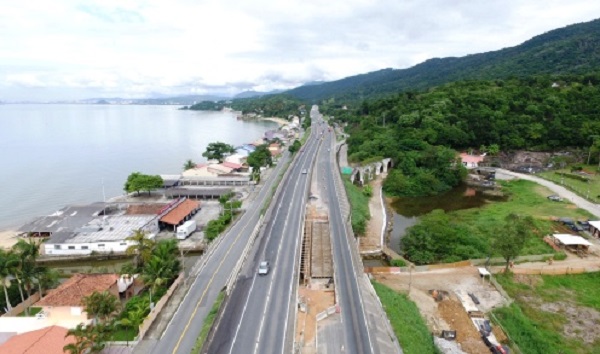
{"points": [[263, 268], [584, 225], [555, 198], [576, 227]]}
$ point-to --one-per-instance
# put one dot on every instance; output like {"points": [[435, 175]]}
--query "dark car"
{"points": [[555, 198], [576, 227], [584, 225]]}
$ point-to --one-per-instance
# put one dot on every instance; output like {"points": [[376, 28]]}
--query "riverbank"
{"points": [[8, 238]]}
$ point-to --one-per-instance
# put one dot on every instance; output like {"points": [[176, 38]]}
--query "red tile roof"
{"points": [[49, 340], [471, 158], [78, 286], [177, 214]]}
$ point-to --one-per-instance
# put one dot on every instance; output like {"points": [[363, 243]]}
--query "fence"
{"points": [[21, 307], [548, 271], [156, 310]]}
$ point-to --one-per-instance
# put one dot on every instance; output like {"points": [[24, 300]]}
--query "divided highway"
{"points": [[260, 314], [181, 333]]}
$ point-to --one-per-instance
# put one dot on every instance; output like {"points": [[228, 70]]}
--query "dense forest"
{"points": [[574, 49], [420, 130], [268, 106]]}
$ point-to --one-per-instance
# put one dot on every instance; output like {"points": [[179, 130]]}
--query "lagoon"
{"points": [[52, 155]]}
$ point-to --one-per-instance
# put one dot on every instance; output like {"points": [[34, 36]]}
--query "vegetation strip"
{"points": [[359, 203], [208, 323], [409, 326]]}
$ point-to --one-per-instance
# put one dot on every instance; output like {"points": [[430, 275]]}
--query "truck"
{"points": [[183, 231]]}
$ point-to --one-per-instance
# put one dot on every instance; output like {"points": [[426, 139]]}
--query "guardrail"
{"points": [[238, 266]]}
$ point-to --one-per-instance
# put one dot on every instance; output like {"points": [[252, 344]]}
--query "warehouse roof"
{"points": [[177, 214]]}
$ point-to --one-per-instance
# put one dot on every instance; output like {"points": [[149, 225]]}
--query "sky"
{"points": [[69, 49]]}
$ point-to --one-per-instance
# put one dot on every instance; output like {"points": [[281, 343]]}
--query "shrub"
{"points": [[398, 263]]}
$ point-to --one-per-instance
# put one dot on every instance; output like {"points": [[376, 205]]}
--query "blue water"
{"points": [[54, 155]]}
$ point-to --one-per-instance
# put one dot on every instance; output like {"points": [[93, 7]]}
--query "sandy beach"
{"points": [[277, 120], [8, 238]]}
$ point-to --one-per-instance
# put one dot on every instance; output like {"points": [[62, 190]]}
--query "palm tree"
{"points": [[142, 249], [8, 262], [134, 318], [81, 343], [189, 164], [24, 271], [101, 305], [157, 273]]}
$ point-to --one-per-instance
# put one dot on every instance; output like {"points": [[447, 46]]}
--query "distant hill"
{"points": [[251, 94], [574, 49]]}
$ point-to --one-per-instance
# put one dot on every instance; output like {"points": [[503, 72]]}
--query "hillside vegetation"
{"points": [[574, 49], [267, 106]]}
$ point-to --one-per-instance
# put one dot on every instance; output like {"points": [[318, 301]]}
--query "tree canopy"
{"points": [[260, 157], [218, 151], [137, 182]]}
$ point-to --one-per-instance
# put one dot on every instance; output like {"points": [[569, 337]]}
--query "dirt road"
{"points": [[560, 190]]}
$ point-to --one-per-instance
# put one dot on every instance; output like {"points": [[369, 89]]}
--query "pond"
{"points": [[407, 210]]}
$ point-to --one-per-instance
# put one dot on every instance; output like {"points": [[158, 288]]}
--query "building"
{"points": [[572, 243], [106, 234], [48, 340], [179, 214], [471, 161], [66, 301]]}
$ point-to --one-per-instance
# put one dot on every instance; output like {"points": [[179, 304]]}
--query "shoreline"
{"points": [[277, 120]]}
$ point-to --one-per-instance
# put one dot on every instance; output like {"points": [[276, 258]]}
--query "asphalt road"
{"points": [[260, 314], [357, 337], [181, 333]]}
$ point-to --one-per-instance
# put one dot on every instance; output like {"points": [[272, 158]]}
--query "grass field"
{"points": [[409, 326], [546, 308], [526, 198], [589, 190]]}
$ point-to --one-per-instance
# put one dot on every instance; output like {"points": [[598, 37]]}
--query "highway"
{"points": [[354, 320], [181, 333], [260, 315]]}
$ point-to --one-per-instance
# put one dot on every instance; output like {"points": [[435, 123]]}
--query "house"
{"points": [[66, 300], [236, 159], [219, 169], [275, 149], [198, 171], [48, 340], [471, 161], [235, 167], [595, 228]]}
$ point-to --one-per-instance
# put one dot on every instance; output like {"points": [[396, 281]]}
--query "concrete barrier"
{"points": [[156, 310]]}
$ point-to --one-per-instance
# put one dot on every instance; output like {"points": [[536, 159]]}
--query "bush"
{"points": [[398, 263]]}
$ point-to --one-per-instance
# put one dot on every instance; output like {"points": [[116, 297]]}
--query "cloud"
{"points": [[71, 48]]}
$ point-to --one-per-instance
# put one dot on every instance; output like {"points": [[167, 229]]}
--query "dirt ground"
{"points": [[317, 301], [447, 314]]}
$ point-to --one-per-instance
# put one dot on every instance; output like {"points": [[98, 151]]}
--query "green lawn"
{"points": [[409, 326], [538, 331], [590, 190], [32, 312], [122, 334]]}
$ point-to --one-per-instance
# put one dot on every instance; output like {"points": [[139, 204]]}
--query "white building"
{"points": [[102, 235]]}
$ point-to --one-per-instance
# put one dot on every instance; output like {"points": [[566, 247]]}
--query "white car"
{"points": [[304, 171], [263, 268]]}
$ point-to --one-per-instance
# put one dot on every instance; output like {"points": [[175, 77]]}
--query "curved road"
{"points": [[560, 190]]}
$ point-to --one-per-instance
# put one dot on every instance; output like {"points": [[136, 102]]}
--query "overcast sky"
{"points": [[68, 49]]}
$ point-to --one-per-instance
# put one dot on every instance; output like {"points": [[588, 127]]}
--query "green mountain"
{"points": [[574, 49]]}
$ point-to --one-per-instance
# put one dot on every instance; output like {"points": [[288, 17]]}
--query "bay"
{"points": [[52, 155]]}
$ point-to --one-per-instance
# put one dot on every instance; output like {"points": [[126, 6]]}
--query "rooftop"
{"points": [[49, 340], [145, 209], [177, 214], [68, 218], [197, 192], [78, 286], [570, 240], [109, 228], [471, 158]]}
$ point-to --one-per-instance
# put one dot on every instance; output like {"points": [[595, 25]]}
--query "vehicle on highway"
{"points": [[263, 268], [304, 171], [555, 198]]}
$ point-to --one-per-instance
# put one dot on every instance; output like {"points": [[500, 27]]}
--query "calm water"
{"points": [[407, 210], [53, 155]]}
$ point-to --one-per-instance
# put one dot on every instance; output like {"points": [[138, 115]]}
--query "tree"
{"points": [[8, 263], [259, 158], [189, 164], [296, 145], [157, 272], [101, 305], [217, 151], [141, 249], [134, 318], [25, 268], [81, 344], [88, 339], [510, 238], [137, 182]]}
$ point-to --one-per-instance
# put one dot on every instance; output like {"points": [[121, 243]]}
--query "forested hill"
{"points": [[572, 49]]}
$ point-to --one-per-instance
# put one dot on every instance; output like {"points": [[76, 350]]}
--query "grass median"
{"points": [[208, 323]]}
